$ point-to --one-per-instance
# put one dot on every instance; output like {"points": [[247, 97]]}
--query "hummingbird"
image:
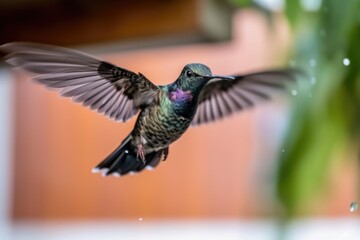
{"points": [[165, 111]]}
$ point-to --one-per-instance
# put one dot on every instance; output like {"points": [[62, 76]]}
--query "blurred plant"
{"points": [[325, 118]]}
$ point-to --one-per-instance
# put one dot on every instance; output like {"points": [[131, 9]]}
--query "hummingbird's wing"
{"points": [[220, 98], [114, 91]]}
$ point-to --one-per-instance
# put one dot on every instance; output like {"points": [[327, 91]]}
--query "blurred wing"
{"points": [[114, 91], [220, 98]]}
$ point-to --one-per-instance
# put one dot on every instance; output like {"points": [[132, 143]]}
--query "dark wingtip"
{"points": [[7, 52], [4, 52], [9, 47], [3, 47]]}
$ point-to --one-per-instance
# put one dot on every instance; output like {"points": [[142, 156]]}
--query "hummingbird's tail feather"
{"points": [[123, 160]]}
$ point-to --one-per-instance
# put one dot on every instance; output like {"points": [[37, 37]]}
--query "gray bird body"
{"points": [[166, 112]]}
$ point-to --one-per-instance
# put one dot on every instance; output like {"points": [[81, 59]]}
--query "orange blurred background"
{"points": [[212, 171]]}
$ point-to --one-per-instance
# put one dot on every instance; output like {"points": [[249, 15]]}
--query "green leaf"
{"points": [[241, 3], [293, 11]]}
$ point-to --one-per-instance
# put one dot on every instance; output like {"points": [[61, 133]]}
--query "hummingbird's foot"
{"points": [[140, 152], [166, 153]]}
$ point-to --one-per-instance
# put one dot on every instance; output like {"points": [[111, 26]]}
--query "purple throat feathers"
{"points": [[179, 95]]}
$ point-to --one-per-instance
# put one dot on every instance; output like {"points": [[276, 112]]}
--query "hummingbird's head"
{"points": [[195, 76]]}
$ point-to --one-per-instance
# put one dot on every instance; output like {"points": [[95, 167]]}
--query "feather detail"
{"points": [[114, 91]]}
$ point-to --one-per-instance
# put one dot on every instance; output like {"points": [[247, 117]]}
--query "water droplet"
{"points": [[313, 80], [294, 92], [346, 61], [353, 206], [311, 5], [312, 62], [140, 219], [282, 150]]}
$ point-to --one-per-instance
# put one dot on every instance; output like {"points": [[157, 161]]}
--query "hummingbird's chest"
{"points": [[161, 124]]}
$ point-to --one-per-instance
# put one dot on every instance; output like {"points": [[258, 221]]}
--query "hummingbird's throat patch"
{"points": [[179, 95]]}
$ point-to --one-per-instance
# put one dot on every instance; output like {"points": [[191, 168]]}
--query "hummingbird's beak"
{"points": [[223, 77], [220, 77]]}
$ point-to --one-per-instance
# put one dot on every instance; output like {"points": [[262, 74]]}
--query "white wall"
{"points": [[6, 108]]}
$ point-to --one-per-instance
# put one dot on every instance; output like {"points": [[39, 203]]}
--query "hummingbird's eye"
{"points": [[189, 73]]}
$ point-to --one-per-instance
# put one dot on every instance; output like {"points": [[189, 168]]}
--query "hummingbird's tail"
{"points": [[123, 160]]}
